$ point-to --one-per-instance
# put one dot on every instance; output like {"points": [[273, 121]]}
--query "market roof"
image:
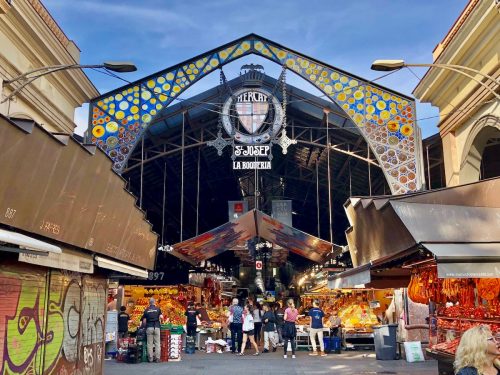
{"points": [[234, 234], [301, 175]]}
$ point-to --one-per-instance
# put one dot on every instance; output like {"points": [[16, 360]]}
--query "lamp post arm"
{"points": [[25, 77], [49, 69], [457, 69]]}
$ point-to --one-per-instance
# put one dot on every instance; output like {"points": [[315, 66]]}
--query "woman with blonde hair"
{"points": [[289, 330], [477, 352]]}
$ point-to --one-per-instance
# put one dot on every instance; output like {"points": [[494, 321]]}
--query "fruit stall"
{"points": [[460, 304], [172, 300]]}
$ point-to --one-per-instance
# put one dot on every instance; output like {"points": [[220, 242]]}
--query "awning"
{"points": [[26, 243], [470, 260], [389, 225], [234, 234], [70, 194], [355, 277], [369, 276], [121, 267], [70, 260]]}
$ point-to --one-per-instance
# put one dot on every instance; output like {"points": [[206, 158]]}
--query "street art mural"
{"points": [[51, 322]]}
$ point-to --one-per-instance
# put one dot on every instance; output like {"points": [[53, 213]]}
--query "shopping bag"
{"points": [[289, 347], [413, 351]]}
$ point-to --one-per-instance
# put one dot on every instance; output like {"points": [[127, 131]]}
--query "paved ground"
{"points": [[352, 363]]}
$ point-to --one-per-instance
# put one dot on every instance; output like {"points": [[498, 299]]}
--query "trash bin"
{"points": [[326, 344], [335, 344], [385, 341]]}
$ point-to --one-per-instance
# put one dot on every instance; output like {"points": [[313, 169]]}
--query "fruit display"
{"points": [[171, 300]]}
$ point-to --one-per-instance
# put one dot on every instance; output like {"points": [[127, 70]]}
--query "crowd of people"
{"points": [[477, 354], [278, 324]]}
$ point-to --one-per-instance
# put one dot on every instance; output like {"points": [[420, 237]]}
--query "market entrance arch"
{"points": [[385, 119]]}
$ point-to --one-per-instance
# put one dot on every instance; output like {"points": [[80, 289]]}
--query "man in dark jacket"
{"points": [[280, 320], [270, 334], [151, 318], [192, 315], [123, 319]]}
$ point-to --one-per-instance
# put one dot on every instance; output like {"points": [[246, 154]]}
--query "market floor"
{"points": [[352, 363]]}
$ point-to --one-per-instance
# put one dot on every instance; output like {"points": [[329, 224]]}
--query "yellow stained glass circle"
{"points": [[98, 131], [112, 127], [381, 105]]}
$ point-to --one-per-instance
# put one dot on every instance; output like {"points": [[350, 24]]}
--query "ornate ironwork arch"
{"points": [[385, 118]]}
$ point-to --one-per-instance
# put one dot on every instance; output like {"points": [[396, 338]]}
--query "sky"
{"points": [[156, 34]]}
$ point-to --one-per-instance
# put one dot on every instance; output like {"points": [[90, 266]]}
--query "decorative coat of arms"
{"points": [[254, 118]]}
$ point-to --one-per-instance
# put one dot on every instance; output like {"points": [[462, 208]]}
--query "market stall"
{"points": [[172, 300], [359, 310], [461, 303]]}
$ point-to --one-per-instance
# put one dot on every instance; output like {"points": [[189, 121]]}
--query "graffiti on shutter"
{"points": [[56, 326]]}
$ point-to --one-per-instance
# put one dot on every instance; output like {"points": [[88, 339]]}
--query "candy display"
{"points": [[353, 307], [358, 315]]}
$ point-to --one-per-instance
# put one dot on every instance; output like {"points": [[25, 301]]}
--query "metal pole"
{"points": [[142, 170], [198, 192], [428, 167], [255, 186], [329, 177], [182, 176], [350, 177], [317, 195], [163, 208], [456, 68], [369, 172]]}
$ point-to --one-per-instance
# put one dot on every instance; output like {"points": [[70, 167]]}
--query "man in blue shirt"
{"points": [[236, 325], [316, 328]]}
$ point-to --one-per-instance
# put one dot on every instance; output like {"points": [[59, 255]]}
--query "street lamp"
{"points": [[389, 65], [31, 75]]}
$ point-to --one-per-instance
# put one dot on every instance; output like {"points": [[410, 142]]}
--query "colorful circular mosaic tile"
{"points": [[385, 119]]}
